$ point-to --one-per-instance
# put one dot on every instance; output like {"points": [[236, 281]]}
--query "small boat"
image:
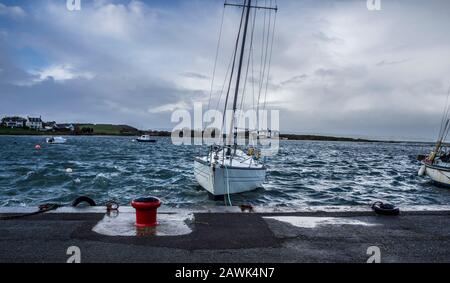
{"points": [[436, 165], [56, 140], [145, 138]]}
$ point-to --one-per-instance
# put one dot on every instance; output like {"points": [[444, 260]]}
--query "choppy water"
{"points": [[303, 173]]}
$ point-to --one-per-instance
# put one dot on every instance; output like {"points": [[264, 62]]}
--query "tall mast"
{"points": [[238, 78]]}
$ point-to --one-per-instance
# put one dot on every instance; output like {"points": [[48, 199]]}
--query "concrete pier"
{"points": [[227, 235]]}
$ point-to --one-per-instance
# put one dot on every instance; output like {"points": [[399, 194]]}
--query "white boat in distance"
{"points": [[227, 169], [56, 140], [146, 138]]}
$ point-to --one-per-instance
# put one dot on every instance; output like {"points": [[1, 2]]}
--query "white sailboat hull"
{"points": [[438, 174], [219, 181]]}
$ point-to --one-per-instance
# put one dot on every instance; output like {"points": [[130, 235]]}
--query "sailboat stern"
{"points": [[204, 174], [223, 180]]}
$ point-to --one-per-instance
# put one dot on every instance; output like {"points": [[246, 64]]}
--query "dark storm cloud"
{"points": [[337, 67]]}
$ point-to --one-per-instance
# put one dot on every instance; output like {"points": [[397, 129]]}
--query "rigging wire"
{"points": [[261, 76], [225, 81], [232, 70], [445, 116], [266, 51], [270, 57], [444, 128], [241, 107], [217, 56]]}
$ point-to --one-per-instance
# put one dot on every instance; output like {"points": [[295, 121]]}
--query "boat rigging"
{"points": [[227, 169]]}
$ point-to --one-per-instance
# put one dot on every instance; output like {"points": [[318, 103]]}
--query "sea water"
{"points": [[304, 173]]}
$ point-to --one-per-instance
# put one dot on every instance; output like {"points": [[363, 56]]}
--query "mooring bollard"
{"points": [[146, 211]]}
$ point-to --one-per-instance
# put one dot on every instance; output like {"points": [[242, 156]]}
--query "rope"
{"points": [[228, 187], [42, 209], [111, 205]]}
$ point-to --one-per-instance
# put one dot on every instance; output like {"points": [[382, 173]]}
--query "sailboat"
{"points": [[437, 164], [228, 168]]}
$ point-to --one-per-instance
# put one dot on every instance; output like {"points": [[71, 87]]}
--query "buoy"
{"points": [[422, 170], [69, 170], [37, 147], [146, 211]]}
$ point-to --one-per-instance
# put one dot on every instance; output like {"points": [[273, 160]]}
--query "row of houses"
{"points": [[34, 123]]}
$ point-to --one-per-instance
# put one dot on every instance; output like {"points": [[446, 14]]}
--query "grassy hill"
{"points": [[81, 129], [322, 138], [106, 129], [24, 132], [124, 130]]}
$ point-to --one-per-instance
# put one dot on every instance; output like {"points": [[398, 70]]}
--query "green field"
{"points": [[100, 129], [25, 132], [104, 129]]}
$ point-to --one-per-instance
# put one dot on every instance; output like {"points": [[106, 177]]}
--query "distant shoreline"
{"points": [[284, 137]]}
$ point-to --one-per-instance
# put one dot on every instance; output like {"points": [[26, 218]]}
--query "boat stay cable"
{"points": [[249, 62], [261, 75], [232, 73], [444, 129], [216, 59], [270, 57]]}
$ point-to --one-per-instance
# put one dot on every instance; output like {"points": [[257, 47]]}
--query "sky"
{"points": [[337, 67]]}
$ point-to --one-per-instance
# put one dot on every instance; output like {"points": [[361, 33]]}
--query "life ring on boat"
{"points": [[82, 199], [385, 209]]}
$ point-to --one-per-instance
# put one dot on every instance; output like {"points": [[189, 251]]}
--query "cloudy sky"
{"points": [[337, 67]]}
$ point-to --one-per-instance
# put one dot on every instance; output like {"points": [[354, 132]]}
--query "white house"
{"points": [[65, 127], [14, 122], [34, 123]]}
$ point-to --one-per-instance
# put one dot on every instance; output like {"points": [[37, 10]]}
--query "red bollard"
{"points": [[146, 211]]}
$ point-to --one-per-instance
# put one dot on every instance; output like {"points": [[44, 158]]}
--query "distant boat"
{"points": [[146, 138], [437, 164], [56, 140]]}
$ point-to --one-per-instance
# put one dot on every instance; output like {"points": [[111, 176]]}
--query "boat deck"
{"points": [[228, 235], [241, 163]]}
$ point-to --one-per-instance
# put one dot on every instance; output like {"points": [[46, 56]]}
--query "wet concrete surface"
{"points": [[344, 236]]}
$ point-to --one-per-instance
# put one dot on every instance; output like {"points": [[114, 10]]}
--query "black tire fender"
{"points": [[82, 199], [385, 209]]}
